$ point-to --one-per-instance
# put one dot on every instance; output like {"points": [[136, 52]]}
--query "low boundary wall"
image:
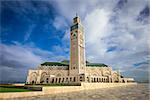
{"points": [[63, 89]]}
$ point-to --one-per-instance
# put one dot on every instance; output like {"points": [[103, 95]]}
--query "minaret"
{"points": [[77, 48]]}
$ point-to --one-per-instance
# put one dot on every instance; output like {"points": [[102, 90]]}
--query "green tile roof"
{"points": [[96, 64], [66, 63], [55, 64]]}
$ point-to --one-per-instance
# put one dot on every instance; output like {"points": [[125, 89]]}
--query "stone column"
{"points": [[109, 79], [112, 79], [28, 78], [38, 77]]}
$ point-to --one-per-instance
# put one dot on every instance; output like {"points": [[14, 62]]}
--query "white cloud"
{"points": [[69, 8], [96, 24], [17, 59], [18, 53], [59, 23], [96, 28]]}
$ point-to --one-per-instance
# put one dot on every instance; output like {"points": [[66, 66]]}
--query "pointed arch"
{"points": [[43, 77], [33, 77]]}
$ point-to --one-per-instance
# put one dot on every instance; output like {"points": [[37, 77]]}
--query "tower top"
{"points": [[76, 19]]}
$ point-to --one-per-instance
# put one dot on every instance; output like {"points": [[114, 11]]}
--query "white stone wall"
{"points": [[40, 76], [58, 74]]}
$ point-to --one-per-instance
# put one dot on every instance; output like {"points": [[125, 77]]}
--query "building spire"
{"points": [[76, 14], [76, 19]]}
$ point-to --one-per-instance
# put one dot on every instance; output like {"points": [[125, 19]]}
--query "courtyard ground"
{"points": [[133, 92]]}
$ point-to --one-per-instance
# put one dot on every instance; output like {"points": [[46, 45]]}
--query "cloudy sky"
{"points": [[116, 31]]}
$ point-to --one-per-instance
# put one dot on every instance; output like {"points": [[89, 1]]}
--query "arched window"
{"points": [[56, 80], [33, 78], [53, 80], [59, 80], [92, 79], [87, 79], [43, 77], [80, 78], [67, 79], [33, 82], [47, 80], [63, 80]]}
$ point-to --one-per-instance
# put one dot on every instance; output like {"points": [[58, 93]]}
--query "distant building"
{"points": [[77, 69]]}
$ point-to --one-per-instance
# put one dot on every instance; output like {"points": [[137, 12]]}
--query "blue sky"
{"points": [[116, 33]]}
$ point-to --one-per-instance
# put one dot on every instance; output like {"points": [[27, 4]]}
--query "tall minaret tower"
{"points": [[77, 48]]}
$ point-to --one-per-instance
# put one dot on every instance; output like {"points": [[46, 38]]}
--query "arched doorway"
{"points": [[43, 77], [33, 78]]}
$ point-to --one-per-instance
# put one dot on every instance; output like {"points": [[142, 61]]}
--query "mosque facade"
{"points": [[76, 70]]}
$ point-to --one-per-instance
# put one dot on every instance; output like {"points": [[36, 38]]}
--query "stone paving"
{"points": [[134, 92]]}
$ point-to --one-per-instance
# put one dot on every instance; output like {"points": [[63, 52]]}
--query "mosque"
{"points": [[76, 70]]}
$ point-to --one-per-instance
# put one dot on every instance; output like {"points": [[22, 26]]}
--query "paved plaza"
{"points": [[134, 92]]}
